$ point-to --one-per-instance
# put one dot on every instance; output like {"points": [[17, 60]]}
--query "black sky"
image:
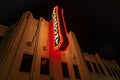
{"points": [[96, 23]]}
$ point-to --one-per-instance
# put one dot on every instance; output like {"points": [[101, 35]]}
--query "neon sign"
{"points": [[56, 27], [56, 34], [60, 35]]}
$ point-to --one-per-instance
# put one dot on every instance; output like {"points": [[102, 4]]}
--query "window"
{"points": [[108, 71], [119, 71], [44, 66], [1, 38], [77, 74], [89, 66], [95, 67], [26, 63], [65, 70], [101, 69]]}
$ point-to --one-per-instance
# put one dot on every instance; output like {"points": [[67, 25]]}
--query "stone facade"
{"points": [[24, 55]]}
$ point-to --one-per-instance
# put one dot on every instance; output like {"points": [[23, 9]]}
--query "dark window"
{"points": [[95, 67], [109, 71], [65, 70], [119, 71], [26, 63], [101, 69], [1, 38], [77, 74], [89, 66], [44, 66]]}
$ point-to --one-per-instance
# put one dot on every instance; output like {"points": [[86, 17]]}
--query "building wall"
{"points": [[101, 73], [13, 52], [77, 57], [28, 43]]}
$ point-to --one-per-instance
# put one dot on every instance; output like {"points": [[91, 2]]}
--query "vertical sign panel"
{"points": [[56, 27], [60, 35]]}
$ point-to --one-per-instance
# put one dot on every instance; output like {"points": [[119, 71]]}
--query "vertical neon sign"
{"points": [[58, 30]]}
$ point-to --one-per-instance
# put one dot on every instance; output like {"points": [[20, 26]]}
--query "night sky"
{"points": [[96, 23]]}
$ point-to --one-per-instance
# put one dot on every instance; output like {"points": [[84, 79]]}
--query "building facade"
{"points": [[26, 55]]}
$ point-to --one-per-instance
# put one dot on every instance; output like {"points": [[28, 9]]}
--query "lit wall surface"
{"points": [[27, 53]]}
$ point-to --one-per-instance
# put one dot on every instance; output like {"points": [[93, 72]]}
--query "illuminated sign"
{"points": [[61, 41], [56, 27], [56, 34]]}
